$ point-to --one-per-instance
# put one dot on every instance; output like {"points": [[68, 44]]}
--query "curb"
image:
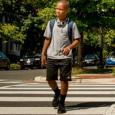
{"points": [[81, 79], [39, 78]]}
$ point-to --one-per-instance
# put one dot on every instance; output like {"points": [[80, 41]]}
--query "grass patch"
{"points": [[77, 70]]}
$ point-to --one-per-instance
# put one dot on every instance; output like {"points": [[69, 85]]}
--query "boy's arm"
{"points": [[44, 51], [74, 44]]}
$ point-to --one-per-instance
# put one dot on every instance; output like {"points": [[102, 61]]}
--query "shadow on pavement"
{"points": [[88, 105]]}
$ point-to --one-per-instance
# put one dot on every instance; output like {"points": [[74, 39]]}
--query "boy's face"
{"points": [[61, 10]]}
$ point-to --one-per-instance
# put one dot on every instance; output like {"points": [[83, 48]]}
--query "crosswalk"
{"points": [[34, 98]]}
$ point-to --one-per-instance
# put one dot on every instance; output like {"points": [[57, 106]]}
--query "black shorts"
{"points": [[63, 65]]}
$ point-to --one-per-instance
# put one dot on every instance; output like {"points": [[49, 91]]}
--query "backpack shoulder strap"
{"points": [[70, 26], [52, 22]]}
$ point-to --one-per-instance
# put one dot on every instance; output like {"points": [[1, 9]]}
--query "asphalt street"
{"points": [[22, 94], [22, 74], [34, 98]]}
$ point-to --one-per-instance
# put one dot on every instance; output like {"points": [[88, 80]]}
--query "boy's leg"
{"points": [[54, 86], [64, 87], [52, 76], [65, 77], [63, 93]]}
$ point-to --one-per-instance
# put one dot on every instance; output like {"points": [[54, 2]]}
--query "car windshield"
{"points": [[32, 55], [111, 57], [90, 57], [2, 55], [37, 55], [28, 55]]}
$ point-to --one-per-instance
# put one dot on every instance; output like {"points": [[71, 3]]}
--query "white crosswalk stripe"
{"points": [[19, 98]]}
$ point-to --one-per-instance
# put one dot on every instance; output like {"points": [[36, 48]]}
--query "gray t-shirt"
{"points": [[60, 39]]}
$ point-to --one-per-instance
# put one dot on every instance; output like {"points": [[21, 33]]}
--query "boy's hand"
{"points": [[66, 50]]}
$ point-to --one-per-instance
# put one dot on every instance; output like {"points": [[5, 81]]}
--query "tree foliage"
{"points": [[12, 32], [21, 16], [91, 15]]}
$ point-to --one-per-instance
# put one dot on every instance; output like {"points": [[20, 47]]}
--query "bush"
{"points": [[14, 66], [77, 70], [113, 71]]}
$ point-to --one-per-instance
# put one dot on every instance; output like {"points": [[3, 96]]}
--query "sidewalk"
{"points": [[95, 78]]}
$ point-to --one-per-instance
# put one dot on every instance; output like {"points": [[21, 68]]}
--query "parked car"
{"points": [[31, 60], [91, 59], [110, 61], [4, 61]]}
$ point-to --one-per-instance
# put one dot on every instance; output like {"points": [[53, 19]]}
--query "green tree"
{"points": [[95, 18], [12, 32], [96, 15]]}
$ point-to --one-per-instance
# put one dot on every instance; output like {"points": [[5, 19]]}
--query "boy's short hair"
{"points": [[66, 2]]}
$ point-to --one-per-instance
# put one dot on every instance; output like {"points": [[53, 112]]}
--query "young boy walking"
{"points": [[57, 53]]}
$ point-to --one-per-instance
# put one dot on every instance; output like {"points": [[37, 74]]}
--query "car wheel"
{"points": [[22, 67], [31, 67], [106, 67], [8, 67]]}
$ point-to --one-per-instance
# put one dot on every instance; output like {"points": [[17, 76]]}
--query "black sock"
{"points": [[57, 92], [62, 99]]}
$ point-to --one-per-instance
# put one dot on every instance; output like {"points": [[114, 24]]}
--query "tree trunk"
{"points": [[101, 65], [80, 47]]}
